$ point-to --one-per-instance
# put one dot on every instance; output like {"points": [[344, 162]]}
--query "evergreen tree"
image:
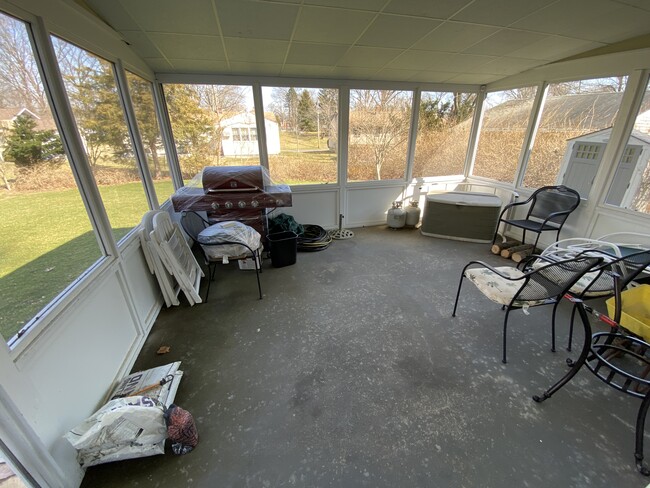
{"points": [[306, 113], [26, 146], [432, 113], [291, 108], [191, 125], [143, 105]]}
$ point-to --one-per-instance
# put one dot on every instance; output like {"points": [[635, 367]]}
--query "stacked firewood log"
{"points": [[514, 250]]}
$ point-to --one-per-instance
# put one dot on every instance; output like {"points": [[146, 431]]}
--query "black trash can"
{"points": [[284, 248]]}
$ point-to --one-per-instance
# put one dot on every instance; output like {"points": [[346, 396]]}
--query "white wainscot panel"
{"points": [[143, 285], [368, 206], [74, 362], [611, 221], [314, 207]]}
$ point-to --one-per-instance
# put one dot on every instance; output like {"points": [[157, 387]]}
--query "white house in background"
{"points": [[239, 136], [10, 114], [582, 159]]}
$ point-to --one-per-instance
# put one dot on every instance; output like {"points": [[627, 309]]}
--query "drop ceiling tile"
{"points": [[419, 60], [554, 48], [331, 25], [505, 66], [368, 57], [461, 63], [255, 50], [470, 78], [315, 54], [158, 64], [244, 18], [306, 70], [255, 69], [372, 5], [396, 31], [200, 65], [187, 17], [454, 37], [353, 73], [395, 74], [594, 20], [499, 12], [113, 14], [428, 60], [642, 4], [141, 44], [504, 42], [432, 76], [180, 46], [440, 9]]}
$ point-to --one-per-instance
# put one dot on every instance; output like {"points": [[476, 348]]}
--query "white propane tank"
{"points": [[396, 217], [412, 214]]}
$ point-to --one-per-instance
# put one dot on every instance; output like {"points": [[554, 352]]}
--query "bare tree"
{"points": [[92, 91], [21, 84], [523, 93], [221, 102], [379, 120], [278, 105]]}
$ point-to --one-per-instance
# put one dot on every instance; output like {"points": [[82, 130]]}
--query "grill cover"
{"points": [[217, 179]]}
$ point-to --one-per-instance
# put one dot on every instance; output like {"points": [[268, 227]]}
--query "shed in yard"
{"points": [[582, 160], [240, 136]]}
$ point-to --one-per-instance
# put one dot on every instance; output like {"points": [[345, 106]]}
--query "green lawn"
{"points": [[46, 242]]}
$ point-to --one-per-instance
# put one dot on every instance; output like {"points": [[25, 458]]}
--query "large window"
{"points": [[378, 134], [145, 114], [301, 134], [505, 119], [444, 126], [92, 91], [46, 240], [630, 186], [573, 111], [213, 125]]}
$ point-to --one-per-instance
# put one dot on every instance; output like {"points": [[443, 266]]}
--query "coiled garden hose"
{"points": [[314, 238]]}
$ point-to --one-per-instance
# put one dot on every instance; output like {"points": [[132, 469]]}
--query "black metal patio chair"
{"points": [[618, 359], [194, 225], [549, 208], [601, 282], [515, 289]]}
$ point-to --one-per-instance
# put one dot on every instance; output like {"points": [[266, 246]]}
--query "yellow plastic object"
{"points": [[635, 310]]}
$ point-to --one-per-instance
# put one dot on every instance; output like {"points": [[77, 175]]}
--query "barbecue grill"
{"points": [[241, 193]]}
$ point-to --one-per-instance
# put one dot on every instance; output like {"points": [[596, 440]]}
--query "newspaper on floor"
{"points": [[132, 423], [159, 383]]}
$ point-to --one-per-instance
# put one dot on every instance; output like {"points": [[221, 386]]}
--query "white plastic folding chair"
{"points": [[168, 285], [177, 256], [617, 244]]}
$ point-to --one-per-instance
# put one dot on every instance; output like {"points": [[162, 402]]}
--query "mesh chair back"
{"points": [[193, 223], [551, 199], [555, 279]]}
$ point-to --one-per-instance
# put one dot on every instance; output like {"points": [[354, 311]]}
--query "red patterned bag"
{"points": [[181, 429]]}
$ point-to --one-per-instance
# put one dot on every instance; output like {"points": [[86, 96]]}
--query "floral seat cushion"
{"points": [[502, 290]]}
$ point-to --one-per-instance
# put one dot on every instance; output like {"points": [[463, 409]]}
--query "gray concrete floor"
{"points": [[351, 372]]}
